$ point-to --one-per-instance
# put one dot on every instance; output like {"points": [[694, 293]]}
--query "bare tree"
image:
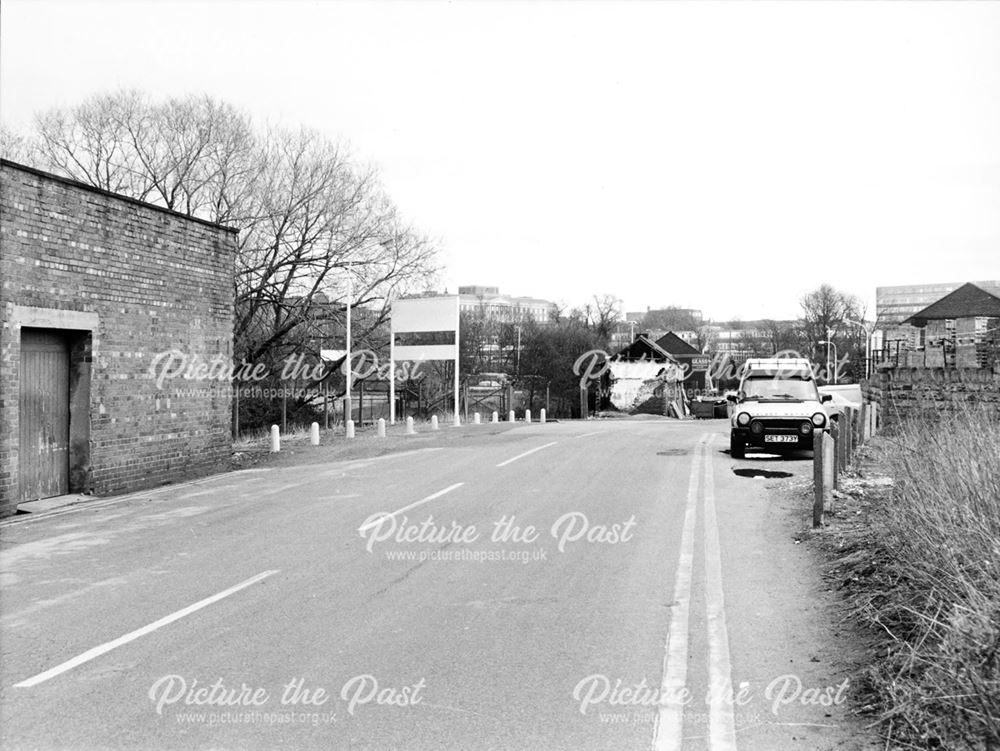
{"points": [[825, 315], [92, 143], [604, 313], [17, 147], [308, 216], [825, 311]]}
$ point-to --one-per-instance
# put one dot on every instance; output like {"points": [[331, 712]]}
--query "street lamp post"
{"points": [[868, 343], [830, 343]]}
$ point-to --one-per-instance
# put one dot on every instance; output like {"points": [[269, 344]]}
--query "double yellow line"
{"points": [[674, 695]]}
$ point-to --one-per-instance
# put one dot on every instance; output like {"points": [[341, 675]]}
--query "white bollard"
{"points": [[511, 417], [434, 422], [275, 439], [496, 417], [409, 426], [527, 415], [475, 418], [349, 430], [314, 434], [381, 427], [541, 416]]}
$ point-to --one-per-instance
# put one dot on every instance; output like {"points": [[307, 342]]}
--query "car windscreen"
{"points": [[771, 387]]}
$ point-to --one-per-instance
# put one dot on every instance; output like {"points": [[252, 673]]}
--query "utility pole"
{"points": [[517, 367], [829, 334], [348, 413]]}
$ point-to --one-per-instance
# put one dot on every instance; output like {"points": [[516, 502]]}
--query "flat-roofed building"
{"points": [[505, 308]]}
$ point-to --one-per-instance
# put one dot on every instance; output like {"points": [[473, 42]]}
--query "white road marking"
{"points": [[382, 517], [585, 435], [721, 727], [670, 718], [90, 654], [521, 456]]}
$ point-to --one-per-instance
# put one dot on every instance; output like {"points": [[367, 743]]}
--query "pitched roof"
{"points": [[968, 301], [644, 349], [675, 345]]}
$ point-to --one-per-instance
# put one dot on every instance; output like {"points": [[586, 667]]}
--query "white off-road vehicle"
{"points": [[777, 408]]}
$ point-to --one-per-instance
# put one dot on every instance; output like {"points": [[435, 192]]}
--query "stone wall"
{"points": [[926, 393]]}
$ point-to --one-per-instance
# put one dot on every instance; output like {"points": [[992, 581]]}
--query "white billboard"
{"points": [[423, 328]]}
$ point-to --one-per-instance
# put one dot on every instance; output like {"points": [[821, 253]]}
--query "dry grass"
{"points": [[926, 577]]}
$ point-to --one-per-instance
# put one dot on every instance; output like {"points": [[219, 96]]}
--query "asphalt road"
{"points": [[577, 585]]}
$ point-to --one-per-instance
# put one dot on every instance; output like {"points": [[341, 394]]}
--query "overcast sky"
{"points": [[722, 156]]}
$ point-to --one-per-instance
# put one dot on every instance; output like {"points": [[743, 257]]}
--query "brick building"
{"points": [[894, 305], [93, 286], [962, 330]]}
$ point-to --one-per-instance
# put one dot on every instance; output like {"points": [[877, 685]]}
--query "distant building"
{"points": [[684, 315], [961, 330], [642, 377], [505, 308], [739, 340], [695, 364], [894, 305]]}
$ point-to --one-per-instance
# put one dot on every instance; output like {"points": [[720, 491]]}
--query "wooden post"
{"points": [[284, 410], [846, 432], [326, 406], [361, 403], [838, 445], [583, 403], [819, 476], [829, 471]]}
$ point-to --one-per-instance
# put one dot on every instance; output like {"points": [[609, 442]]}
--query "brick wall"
{"points": [[129, 280], [903, 393]]}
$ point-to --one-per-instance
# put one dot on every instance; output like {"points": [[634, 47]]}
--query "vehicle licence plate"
{"points": [[780, 439]]}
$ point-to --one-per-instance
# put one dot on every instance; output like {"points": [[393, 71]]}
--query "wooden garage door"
{"points": [[43, 455]]}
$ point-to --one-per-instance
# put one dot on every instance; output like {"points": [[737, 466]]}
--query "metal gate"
{"points": [[43, 416]]}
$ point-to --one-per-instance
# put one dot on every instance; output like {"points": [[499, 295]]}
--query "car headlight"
{"points": [[806, 427], [756, 427], [819, 419], [743, 418]]}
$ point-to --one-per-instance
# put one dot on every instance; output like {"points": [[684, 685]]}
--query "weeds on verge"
{"points": [[931, 584]]}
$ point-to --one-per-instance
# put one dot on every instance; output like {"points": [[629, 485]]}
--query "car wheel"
{"points": [[737, 449]]}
